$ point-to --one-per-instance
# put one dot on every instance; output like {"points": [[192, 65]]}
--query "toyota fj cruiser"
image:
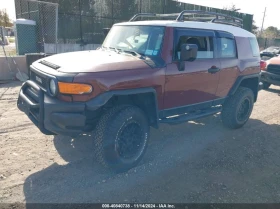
{"points": [[144, 74]]}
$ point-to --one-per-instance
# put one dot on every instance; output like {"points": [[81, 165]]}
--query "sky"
{"points": [[254, 7], [247, 6], [10, 6]]}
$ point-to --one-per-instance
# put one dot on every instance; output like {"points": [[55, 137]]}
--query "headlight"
{"points": [[53, 87]]}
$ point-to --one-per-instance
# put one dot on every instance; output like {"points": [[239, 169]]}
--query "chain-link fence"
{"points": [[85, 20], [82, 22], [2, 41], [5, 47], [2, 35], [45, 16], [267, 42]]}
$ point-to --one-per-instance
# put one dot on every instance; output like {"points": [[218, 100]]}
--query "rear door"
{"points": [[194, 85], [227, 53]]}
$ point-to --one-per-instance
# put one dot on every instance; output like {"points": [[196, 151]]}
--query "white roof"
{"points": [[236, 31], [25, 22]]}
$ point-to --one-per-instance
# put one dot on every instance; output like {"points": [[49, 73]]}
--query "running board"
{"points": [[191, 116]]}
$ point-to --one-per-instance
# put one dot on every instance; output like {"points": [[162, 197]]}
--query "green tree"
{"points": [[5, 19], [271, 32], [231, 8]]}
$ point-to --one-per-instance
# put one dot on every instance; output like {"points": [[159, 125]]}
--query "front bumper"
{"points": [[270, 78], [49, 114]]}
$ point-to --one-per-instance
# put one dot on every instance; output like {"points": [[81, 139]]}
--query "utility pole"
{"points": [[263, 20]]}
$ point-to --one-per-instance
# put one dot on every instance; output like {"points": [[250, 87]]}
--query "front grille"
{"points": [[38, 79], [275, 69]]}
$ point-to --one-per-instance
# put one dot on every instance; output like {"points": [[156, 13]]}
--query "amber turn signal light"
{"points": [[74, 88]]}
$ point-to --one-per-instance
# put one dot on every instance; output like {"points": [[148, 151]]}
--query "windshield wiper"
{"points": [[115, 49], [134, 53], [107, 48], [141, 56]]}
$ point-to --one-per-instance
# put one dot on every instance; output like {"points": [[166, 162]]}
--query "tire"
{"points": [[115, 134], [266, 85], [238, 108]]}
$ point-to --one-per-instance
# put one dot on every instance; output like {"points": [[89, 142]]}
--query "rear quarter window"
{"points": [[228, 48], [254, 47]]}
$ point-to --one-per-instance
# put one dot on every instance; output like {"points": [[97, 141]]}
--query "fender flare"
{"points": [[103, 98], [239, 81]]}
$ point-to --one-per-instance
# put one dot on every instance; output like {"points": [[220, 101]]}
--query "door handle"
{"points": [[213, 70]]}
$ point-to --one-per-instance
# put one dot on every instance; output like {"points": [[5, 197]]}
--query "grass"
{"points": [[11, 39]]}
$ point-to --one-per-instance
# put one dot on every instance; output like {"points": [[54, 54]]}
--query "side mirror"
{"points": [[188, 52]]}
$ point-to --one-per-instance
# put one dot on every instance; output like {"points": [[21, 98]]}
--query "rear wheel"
{"points": [[121, 137], [238, 108], [266, 85]]}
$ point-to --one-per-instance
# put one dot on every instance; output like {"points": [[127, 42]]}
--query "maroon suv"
{"points": [[145, 73]]}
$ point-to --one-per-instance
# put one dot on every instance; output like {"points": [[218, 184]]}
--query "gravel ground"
{"points": [[195, 162]]}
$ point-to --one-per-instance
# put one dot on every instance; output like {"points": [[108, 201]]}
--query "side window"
{"points": [[204, 43], [255, 47], [228, 48]]}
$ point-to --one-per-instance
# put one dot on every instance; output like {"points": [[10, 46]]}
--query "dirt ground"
{"points": [[196, 162], [9, 49]]}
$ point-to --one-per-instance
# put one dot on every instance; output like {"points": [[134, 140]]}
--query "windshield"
{"points": [[144, 40]]}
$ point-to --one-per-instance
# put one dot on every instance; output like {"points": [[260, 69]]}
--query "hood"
{"points": [[270, 50], [90, 61], [267, 51]]}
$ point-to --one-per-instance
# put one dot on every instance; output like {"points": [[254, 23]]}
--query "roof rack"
{"points": [[190, 16]]}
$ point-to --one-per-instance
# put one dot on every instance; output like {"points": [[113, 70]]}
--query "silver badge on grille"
{"points": [[39, 79]]}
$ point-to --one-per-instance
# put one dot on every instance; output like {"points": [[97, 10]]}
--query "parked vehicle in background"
{"points": [[270, 51], [146, 73], [270, 72]]}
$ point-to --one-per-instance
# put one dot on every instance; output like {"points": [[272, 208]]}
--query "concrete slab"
{"points": [[6, 73]]}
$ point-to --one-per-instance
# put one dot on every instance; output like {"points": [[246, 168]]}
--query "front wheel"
{"points": [[238, 108], [121, 138]]}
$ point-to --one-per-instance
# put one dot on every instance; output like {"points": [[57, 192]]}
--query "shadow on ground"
{"points": [[9, 84], [272, 90], [193, 162]]}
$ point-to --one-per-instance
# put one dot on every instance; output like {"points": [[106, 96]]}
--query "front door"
{"points": [[197, 84]]}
